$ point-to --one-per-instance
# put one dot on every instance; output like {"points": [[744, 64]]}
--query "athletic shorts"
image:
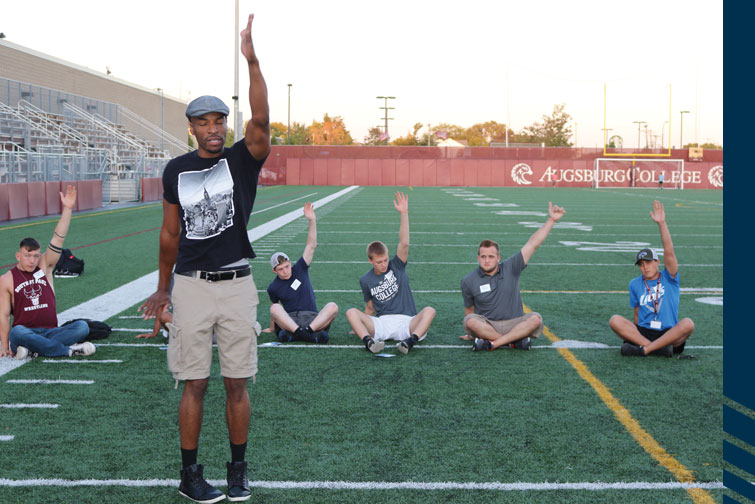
{"points": [[653, 334], [504, 326], [395, 327], [302, 318], [227, 308]]}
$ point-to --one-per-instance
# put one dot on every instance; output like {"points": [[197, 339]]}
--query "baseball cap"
{"points": [[274, 259], [204, 105], [646, 254]]}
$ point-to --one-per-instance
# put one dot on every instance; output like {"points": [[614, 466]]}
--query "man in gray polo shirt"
{"points": [[492, 301]]}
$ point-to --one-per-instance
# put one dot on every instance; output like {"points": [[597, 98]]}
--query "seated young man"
{"points": [[493, 313], [390, 312], [27, 293], [654, 295], [293, 314]]}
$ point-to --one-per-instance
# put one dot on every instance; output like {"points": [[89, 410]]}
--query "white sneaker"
{"points": [[21, 352], [84, 348]]}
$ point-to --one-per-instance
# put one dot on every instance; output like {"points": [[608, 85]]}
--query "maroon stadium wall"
{"points": [[33, 199], [483, 166]]}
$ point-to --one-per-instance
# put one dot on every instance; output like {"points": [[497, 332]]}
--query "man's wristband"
{"points": [[59, 236], [54, 248]]}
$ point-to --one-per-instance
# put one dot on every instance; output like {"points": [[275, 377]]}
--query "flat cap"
{"points": [[204, 105]]}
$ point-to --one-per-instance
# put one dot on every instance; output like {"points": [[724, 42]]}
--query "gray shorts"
{"points": [[227, 308], [504, 326], [301, 318]]}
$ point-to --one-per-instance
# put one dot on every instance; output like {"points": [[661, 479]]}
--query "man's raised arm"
{"points": [[658, 214], [257, 135], [555, 212], [52, 254], [309, 248], [401, 203]]}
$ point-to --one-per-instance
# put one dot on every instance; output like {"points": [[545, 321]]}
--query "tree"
{"points": [[331, 131], [706, 145], [229, 139], [299, 134], [410, 138], [553, 131], [373, 136], [483, 133], [277, 133]]}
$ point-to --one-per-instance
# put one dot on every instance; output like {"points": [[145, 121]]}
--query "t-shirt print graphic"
{"points": [[207, 200], [386, 289]]}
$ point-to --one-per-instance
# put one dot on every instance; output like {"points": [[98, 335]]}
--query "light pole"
{"points": [[639, 124], [288, 127], [386, 108], [681, 128], [162, 116], [663, 127]]}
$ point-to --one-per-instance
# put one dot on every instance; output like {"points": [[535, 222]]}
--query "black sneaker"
{"points": [[405, 345], [195, 487], [667, 351], [522, 344], [321, 337], [630, 350], [238, 486], [372, 345], [285, 336], [481, 344]]}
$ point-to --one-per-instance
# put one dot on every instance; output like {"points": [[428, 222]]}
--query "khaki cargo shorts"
{"points": [[227, 308]]}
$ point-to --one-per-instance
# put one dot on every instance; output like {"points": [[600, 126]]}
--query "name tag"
{"points": [[39, 274], [655, 324], [295, 284], [485, 288]]}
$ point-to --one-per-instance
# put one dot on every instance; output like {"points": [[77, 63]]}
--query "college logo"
{"points": [[716, 176], [519, 171]]}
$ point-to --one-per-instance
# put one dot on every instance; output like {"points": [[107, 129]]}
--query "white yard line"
{"points": [[377, 485], [24, 406], [52, 382]]}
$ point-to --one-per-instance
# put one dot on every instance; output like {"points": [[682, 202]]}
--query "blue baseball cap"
{"points": [[205, 105]]}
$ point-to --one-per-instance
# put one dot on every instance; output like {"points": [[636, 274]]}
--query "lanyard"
{"points": [[655, 301]]}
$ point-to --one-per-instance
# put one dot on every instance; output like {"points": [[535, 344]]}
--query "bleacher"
{"points": [[75, 141]]}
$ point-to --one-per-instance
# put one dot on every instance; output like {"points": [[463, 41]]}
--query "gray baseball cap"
{"points": [[646, 254], [274, 261], [204, 105]]}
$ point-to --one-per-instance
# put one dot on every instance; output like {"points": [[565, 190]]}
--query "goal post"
{"points": [[641, 173]]}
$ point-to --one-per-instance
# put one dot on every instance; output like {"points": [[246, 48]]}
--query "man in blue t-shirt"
{"points": [[654, 295], [207, 202], [293, 314], [390, 312]]}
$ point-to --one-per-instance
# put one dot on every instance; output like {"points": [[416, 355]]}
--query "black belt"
{"points": [[215, 276]]}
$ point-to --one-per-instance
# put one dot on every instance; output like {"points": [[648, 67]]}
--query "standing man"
{"points": [[654, 295], [207, 200], [27, 292], [293, 314], [390, 312], [493, 313]]}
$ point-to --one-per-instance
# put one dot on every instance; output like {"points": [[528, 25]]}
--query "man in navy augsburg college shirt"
{"points": [[208, 198], [293, 314], [493, 313], [654, 295], [390, 312]]}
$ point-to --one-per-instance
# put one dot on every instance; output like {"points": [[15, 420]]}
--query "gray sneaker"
{"points": [[21, 352], [374, 346], [523, 344], [83, 348], [481, 344]]}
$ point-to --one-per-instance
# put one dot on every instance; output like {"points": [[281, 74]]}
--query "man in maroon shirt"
{"points": [[27, 293]]}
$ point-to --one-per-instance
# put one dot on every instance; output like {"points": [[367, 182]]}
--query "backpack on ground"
{"points": [[97, 329], [68, 266]]}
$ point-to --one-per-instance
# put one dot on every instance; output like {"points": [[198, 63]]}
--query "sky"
{"points": [[444, 62]]}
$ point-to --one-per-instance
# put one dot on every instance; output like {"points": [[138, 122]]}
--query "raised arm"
{"points": [[309, 248], [257, 135], [52, 254], [169, 236], [555, 212], [658, 214], [401, 203]]}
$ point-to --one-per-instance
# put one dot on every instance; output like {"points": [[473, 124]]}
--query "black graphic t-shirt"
{"points": [[215, 197]]}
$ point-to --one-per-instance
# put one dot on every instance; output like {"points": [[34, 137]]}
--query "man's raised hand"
{"points": [[309, 211], [401, 203], [658, 214], [555, 212]]}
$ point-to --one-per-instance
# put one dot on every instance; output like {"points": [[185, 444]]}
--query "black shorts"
{"points": [[653, 335], [302, 318]]}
